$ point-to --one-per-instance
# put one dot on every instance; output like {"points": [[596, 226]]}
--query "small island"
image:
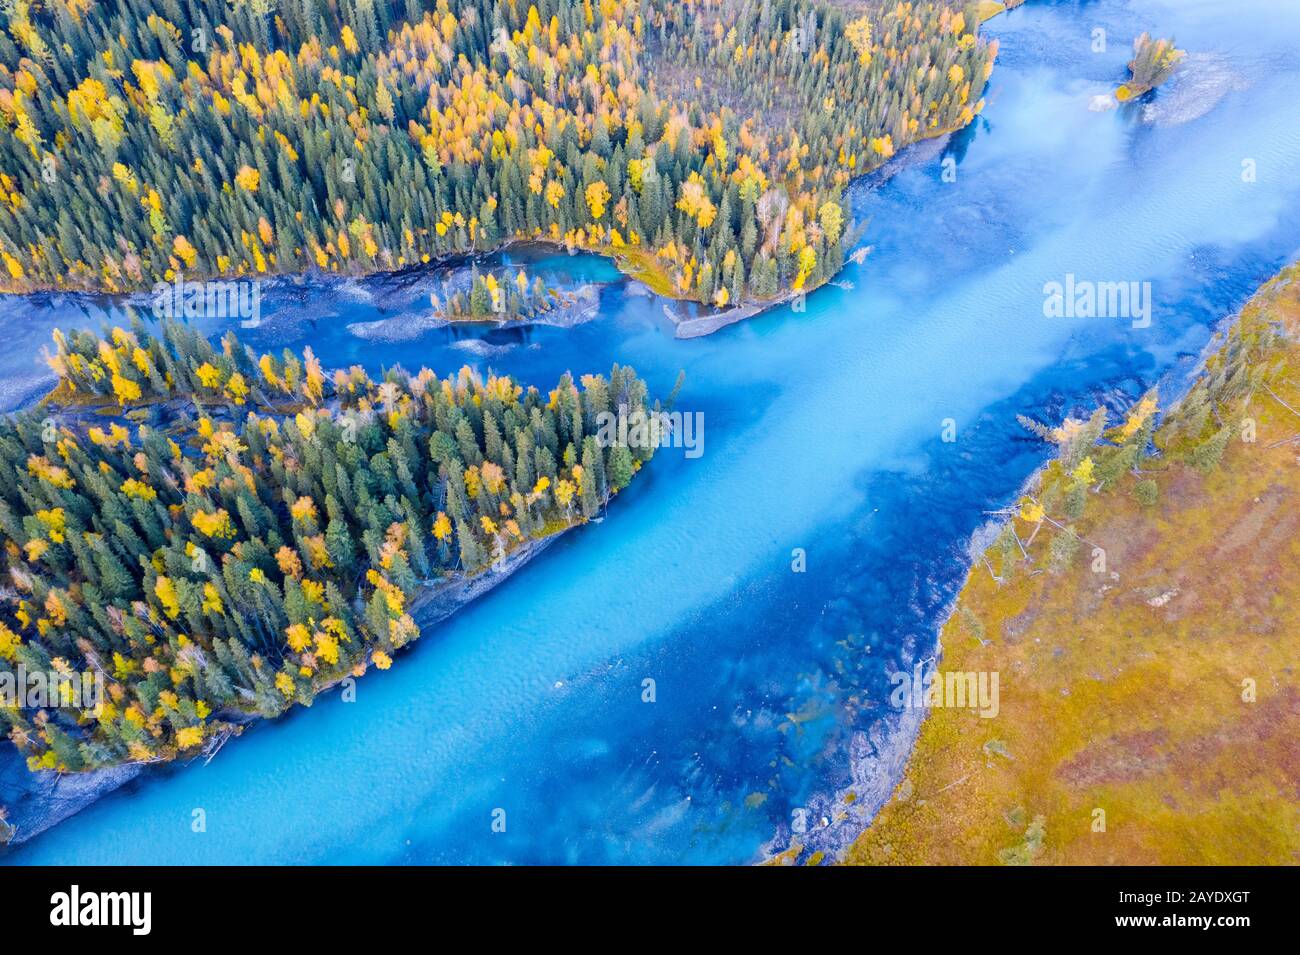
{"points": [[512, 298], [1153, 63]]}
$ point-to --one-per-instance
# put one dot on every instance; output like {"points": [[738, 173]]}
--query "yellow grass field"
{"points": [[1149, 711]]}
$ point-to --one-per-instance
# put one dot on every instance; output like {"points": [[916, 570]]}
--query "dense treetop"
{"points": [[705, 143], [244, 531]]}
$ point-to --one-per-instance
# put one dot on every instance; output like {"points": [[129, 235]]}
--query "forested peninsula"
{"points": [[705, 145], [218, 535]]}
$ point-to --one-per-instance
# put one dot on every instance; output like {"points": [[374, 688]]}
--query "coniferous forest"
{"points": [[167, 481], [219, 535], [705, 144]]}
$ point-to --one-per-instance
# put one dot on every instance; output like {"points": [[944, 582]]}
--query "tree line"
{"points": [[227, 534], [705, 144]]}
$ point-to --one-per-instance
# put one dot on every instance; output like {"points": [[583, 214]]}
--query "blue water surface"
{"points": [[822, 433]]}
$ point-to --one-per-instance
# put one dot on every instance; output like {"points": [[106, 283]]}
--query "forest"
{"points": [[706, 144], [219, 535]]}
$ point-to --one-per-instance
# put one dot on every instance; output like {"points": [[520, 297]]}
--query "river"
{"points": [[824, 431]]}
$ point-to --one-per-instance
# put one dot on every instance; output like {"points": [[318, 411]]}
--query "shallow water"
{"points": [[822, 433]]}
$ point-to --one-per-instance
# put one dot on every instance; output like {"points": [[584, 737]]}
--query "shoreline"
{"points": [[878, 770], [685, 327], [878, 757], [933, 723], [37, 802]]}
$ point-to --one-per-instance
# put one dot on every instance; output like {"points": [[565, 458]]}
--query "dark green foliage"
{"points": [[241, 559], [237, 139]]}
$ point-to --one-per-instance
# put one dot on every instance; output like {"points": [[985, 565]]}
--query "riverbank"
{"points": [[88, 747], [635, 266], [681, 280], [687, 325], [1149, 703], [37, 801], [824, 436]]}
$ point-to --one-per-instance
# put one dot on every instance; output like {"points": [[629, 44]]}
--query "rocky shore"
{"points": [[37, 801]]}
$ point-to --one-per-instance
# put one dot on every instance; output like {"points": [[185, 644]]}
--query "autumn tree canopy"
{"points": [[267, 530], [705, 143]]}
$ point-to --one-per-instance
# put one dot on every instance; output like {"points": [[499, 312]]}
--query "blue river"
{"points": [[823, 432]]}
